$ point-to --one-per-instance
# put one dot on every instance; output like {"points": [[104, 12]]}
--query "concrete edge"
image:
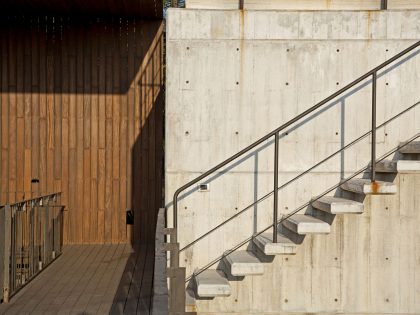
{"points": [[160, 286]]}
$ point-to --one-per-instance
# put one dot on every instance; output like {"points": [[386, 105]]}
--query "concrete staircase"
{"points": [[214, 283]]}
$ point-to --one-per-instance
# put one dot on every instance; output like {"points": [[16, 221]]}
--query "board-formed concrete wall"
{"points": [[234, 76]]}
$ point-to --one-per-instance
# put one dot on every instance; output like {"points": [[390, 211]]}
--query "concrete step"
{"points": [[386, 166], [336, 205], [284, 245], [306, 224], [400, 166], [243, 263], [411, 148], [366, 187], [212, 283]]}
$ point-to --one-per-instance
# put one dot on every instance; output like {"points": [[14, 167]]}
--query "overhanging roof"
{"points": [[132, 8]]}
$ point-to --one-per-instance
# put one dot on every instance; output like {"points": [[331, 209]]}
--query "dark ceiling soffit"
{"points": [[152, 9]]}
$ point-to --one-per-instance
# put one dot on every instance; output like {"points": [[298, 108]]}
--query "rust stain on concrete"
{"points": [[375, 187], [369, 25]]}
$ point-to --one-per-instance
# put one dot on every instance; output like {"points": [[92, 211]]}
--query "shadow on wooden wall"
{"points": [[82, 111]]}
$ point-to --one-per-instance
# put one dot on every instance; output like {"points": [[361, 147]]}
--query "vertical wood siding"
{"points": [[81, 109]]}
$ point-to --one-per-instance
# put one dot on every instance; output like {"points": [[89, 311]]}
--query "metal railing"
{"points": [[30, 239], [300, 208], [173, 247], [303, 173]]}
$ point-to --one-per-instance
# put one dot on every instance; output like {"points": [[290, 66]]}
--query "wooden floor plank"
{"points": [[145, 294], [88, 279], [135, 285], [33, 288]]}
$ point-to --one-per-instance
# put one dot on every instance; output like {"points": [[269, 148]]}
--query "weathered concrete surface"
{"points": [[243, 263], [387, 166], [408, 167], [367, 265], [305, 224], [398, 166], [234, 76], [366, 187], [211, 283], [302, 4], [411, 148], [284, 245], [336, 205]]}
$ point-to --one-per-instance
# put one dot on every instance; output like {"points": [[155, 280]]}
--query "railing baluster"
{"points": [[373, 148], [5, 248], [30, 239], [276, 186], [13, 254]]}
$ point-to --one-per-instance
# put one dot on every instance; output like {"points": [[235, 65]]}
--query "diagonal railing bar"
{"points": [[299, 176], [34, 199], [285, 217], [293, 128]]}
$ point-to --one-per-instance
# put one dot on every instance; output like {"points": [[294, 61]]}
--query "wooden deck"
{"points": [[90, 279]]}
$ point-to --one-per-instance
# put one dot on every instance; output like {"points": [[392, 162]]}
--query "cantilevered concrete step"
{"points": [[212, 283], [411, 148], [336, 205], [284, 245], [243, 263], [400, 166], [366, 187], [305, 224], [386, 166]]}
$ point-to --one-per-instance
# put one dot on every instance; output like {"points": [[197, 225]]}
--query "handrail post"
{"points": [[5, 243], [373, 149], [276, 186], [174, 237]]}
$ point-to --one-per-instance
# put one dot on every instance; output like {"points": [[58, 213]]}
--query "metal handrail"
{"points": [[372, 73], [285, 217], [350, 144], [35, 200]]}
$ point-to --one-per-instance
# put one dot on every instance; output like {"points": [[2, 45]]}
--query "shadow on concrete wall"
{"points": [[254, 154]]}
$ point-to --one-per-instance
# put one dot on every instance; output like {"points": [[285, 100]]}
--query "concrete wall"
{"points": [[234, 76], [302, 4]]}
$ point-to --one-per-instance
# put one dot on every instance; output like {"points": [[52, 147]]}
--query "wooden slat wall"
{"points": [[82, 111]]}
